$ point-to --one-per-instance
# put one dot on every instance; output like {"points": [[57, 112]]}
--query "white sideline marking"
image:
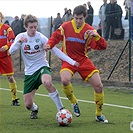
{"points": [[112, 105]]}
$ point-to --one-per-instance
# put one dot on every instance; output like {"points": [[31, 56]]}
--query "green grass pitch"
{"points": [[117, 108]]}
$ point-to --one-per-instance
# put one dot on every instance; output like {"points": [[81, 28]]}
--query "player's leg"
{"points": [[13, 88], [6, 69], [96, 83], [53, 93], [30, 87], [30, 105], [68, 90]]}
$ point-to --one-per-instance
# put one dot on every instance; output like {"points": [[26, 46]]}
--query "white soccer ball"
{"points": [[64, 117]]}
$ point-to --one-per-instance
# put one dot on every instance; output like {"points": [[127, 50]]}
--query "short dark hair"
{"points": [[78, 10]]}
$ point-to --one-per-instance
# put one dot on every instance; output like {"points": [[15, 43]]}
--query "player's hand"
{"points": [[76, 64], [3, 49], [46, 47], [91, 33], [23, 39]]}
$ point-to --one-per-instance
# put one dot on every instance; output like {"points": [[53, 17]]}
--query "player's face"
{"points": [[79, 20], [32, 28]]}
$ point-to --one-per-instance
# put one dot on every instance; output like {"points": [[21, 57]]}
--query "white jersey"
{"points": [[33, 54]]}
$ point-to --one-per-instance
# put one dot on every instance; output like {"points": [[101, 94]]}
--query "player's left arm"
{"points": [[97, 42], [101, 44]]}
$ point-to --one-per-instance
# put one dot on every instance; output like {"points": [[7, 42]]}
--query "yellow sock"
{"points": [[13, 88], [99, 99], [68, 90]]}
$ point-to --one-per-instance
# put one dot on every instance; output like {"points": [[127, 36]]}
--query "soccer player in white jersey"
{"points": [[37, 70]]}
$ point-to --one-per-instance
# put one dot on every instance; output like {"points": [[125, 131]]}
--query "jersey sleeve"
{"points": [[10, 37], [44, 39], [16, 45], [99, 44], [62, 56], [55, 38]]}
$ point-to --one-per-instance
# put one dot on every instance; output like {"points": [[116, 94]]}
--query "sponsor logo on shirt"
{"points": [[27, 47]]}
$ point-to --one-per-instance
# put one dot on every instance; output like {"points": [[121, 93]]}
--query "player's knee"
{"points": [[11, 79], [65, 81], [99, 88], [47, 84]]}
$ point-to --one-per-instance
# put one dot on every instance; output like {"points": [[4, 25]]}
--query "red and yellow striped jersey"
{"points": [[76, 43], [6, 38]]}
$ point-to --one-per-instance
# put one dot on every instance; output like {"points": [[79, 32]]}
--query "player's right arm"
{"points": [[10, 38], [64, 57], [56, 37], [16, 44], [50, 45]]}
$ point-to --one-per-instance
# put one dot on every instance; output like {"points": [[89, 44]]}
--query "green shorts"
{"points": [[33, 81]]}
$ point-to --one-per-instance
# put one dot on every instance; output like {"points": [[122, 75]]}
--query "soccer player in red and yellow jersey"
{"points": [[78, 38], [6, 39]]}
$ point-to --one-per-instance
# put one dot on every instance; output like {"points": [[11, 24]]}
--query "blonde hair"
{"points": [[2, 16]]}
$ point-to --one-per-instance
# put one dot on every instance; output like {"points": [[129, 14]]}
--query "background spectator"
{"points": [[22, 23], [16, 26], [90, 13], [7, 22], [102, 17], [129, 7], [85, 5], [65, 12], [68, 16], [57, 22], [99, 30], [113, 14]]}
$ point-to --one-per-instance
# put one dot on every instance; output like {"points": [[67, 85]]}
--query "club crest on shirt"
{"points": [[85, 35], [4, 32], [37, 40]]}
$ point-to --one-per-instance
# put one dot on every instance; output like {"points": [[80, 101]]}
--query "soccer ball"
{"points": [[64, 117]]}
